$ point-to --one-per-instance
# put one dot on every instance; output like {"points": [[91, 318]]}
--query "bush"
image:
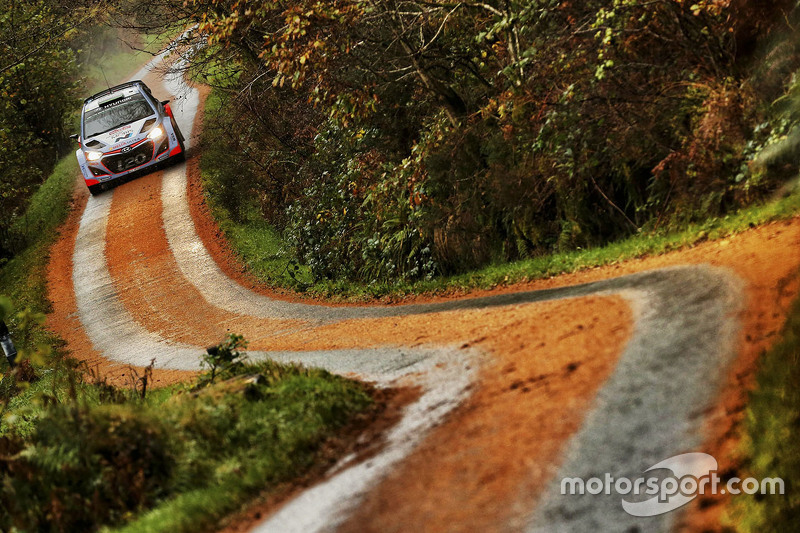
{"points": [[90, 457], [224, 358], [492, 134], [84, 467]]}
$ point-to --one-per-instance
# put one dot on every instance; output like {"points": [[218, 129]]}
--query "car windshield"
{"points": [[114, 114]]}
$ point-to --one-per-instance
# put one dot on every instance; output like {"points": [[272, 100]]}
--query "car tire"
{"points": [[94, 190]]}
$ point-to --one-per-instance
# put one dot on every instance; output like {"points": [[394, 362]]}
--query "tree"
{"points": [[37, 96], [384, 136]]}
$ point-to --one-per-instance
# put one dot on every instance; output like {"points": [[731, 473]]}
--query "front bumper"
{"points": [[138, 157]]}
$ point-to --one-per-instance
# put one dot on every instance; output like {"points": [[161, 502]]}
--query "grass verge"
{"points": [[772, 431], [24, 278], [178, 460], [259, 442]]}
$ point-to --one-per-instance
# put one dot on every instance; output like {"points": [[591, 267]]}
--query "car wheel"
{"points": [[94, 190]]}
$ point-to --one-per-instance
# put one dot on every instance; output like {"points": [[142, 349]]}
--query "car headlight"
{"points": [[156, 133], [93, 156]]}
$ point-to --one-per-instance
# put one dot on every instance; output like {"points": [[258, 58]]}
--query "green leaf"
{"points": [[6, 308]]}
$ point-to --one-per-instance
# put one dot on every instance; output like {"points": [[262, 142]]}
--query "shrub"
{"points": [[225, 357], [84, 467], [496, 133]]}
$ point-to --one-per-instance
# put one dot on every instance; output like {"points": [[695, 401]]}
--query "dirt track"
{"points": [[520, 386]]}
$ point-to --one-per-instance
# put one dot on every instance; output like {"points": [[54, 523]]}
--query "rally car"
{"points": [[124, 130]]}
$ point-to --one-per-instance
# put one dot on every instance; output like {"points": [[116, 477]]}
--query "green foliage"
{"points": [[772, 431], [6, 308], [457, 135], [225, 357], [232, 203], [27, 321], [356, 221], [237, 446], [84, 467], [38, 75], [246, 240], [76, 458]]}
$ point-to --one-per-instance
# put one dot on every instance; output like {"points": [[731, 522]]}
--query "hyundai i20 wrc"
{"points": [[124, 130]]}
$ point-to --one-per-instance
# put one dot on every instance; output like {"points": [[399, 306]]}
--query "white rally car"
{"points": [[124, 130]]}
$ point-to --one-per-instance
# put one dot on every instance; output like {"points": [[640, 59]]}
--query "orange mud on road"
{"points": [[65, 320], [543, 362], [766, 258]]}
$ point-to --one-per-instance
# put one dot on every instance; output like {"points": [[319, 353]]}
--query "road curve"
{"points": [[649, 409]]}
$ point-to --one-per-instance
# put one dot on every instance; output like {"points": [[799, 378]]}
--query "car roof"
{"points": [[125, 89]]}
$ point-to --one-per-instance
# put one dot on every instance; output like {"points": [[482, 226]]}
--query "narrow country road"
{"points": [[517, 389]]}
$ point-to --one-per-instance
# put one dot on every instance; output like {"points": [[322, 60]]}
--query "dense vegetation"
{"points": [[37, 95], [77, 453], [387, 140], [400, 139], [380, 140]]}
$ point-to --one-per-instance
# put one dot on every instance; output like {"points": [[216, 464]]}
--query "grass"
{"points": [[180, 460], [772, 433], [24, 277], [263, 442]]}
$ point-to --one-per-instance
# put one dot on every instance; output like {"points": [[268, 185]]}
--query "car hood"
{"points": [[118, 137]]}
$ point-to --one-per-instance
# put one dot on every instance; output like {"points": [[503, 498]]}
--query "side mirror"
{"points": [[75, 137], [164, 102]]}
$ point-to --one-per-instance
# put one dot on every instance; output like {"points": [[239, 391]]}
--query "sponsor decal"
{"points": [[120, 134], [115, 102], [120, 130], [116, 147]]}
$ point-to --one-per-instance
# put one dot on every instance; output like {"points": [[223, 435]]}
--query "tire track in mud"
{"points": [[685, 327]]}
